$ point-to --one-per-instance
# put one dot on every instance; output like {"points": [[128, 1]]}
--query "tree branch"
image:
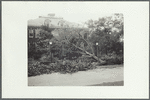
{"points": [[101, 61]]}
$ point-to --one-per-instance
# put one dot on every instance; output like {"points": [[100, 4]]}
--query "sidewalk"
{"points": [[111, 73]]}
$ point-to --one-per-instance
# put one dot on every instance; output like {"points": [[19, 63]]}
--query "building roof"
{"points": [[51, 21]]}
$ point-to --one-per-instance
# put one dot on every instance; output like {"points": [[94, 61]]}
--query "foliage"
{"points": [[108, 32], [112, 59], [65, 66], [40, 47], [67, 37]]}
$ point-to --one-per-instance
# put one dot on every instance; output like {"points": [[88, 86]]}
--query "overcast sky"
{"points": [[71, 11]]}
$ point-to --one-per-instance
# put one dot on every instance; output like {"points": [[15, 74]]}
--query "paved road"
{"points": [[102, 74]]}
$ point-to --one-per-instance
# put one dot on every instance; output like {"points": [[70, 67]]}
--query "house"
{"points": [[51, 21]]}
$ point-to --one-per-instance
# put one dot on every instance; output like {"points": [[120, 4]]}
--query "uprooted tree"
{"points": [[77, 40]]}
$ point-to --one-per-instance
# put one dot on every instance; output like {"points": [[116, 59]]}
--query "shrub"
{"points": [[113, 59], [66, 66]]}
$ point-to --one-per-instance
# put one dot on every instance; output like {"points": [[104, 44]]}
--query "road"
{"points": [[100, 75]]}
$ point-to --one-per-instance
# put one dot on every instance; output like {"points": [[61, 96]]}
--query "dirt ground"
{"points": [[110, 75]]}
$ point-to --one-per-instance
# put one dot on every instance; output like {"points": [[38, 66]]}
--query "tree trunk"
{"points": [[92, 55], [95, 57]]}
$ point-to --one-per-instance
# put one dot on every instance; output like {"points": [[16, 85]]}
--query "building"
{"points": [[34, 25], [51, 21]]}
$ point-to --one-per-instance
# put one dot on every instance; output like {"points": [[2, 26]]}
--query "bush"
{"points": [[69, 66], [66, 66], [113, 59]]}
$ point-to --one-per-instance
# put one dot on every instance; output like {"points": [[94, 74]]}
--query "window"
{"points": [[47, 22]]}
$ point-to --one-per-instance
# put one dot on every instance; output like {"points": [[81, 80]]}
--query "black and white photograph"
{"points": [[77, 53], [75, 49]]}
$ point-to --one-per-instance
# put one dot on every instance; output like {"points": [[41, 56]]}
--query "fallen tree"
{"points": [[83, 50]]}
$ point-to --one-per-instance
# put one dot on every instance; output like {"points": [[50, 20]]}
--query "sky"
{"points": [[70, 11]]}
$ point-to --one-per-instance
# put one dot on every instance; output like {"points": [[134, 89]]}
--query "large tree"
{"points": [[108, 32]]}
